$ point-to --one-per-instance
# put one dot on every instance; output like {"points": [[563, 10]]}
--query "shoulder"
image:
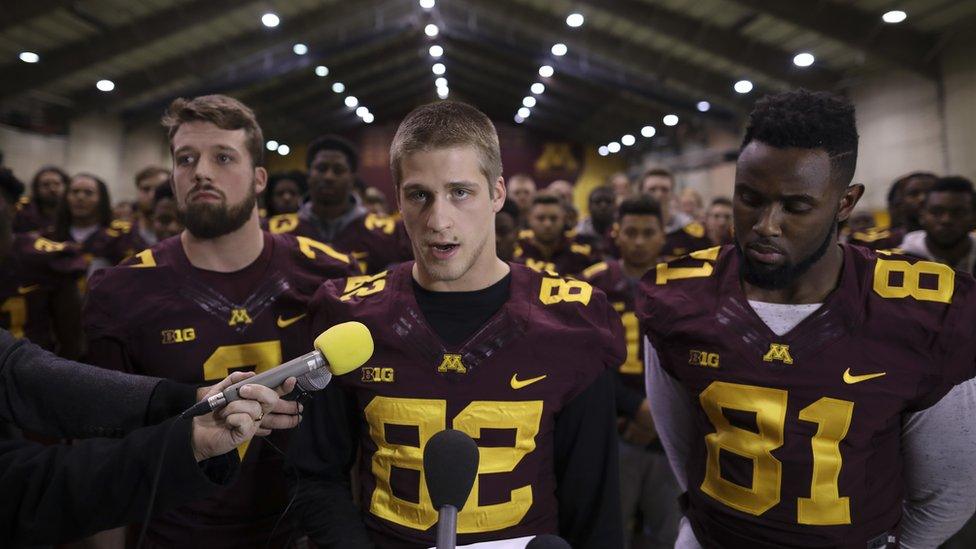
{"points": [[282, 223], [381, 224], [562, 299], [871, 235], [909, 282], [694, 230], [580, 248], [118, 228], [310, 255], [41, 254], [595, 271], [683, 286], [356, 296]]}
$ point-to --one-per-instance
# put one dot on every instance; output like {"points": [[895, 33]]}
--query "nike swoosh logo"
{"points": [[27, 289], [516, 384], [286, 322], [851, 379]]}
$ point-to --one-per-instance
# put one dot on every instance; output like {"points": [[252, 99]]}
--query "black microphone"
{"points": [[548, 541], [338, 350], [450, 467]]}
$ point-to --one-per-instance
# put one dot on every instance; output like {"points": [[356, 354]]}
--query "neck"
{"points": [[547, 249], [488, 271], [328, 212], [636, 271], [951, 255], [812, 286], [228, 253], [601, 225], [83, 222]]}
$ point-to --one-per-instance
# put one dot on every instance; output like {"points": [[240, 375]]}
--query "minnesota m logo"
{"points": [[238, 316], [452, 363], [778, 351]]}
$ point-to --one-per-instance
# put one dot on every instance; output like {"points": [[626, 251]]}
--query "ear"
{"points": [[501, 193], [260, 179], [848, 200]]}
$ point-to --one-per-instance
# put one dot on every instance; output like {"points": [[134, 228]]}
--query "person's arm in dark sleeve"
{"points": [[53, 494], [628, 399], [49, 395], [587, 478], [321, 454]]}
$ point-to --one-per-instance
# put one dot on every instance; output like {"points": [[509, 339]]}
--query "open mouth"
{"points": [[444, 251]]}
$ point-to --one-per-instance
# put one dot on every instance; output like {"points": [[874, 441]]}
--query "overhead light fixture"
{"points": [[368, 118], [427, 4], [743, 86], [440, 82], [528, 101], [670, 120], [559, 50], [431, 30], [894, 16], [105, 85], [270, 20], [575, 20], [613, 147], [804, 59], [321, 70], [361, 111], [538, 88], [338, 87], [443, 93], [29, 57], [283, 149], [299, 49], [603, 150], [524, 112], [272, 145], [519, 119], [436, 51], [628, 140], [648, 131], [546, 71], [439, 68], [351, 101], [704, 106]]}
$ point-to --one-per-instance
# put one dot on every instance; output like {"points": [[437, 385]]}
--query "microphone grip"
{"points": [[447, 527], [271, 378]]}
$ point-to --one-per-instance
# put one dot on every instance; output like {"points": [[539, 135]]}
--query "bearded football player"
{"points": [[223, 296], [810, 393], [518, 360]]}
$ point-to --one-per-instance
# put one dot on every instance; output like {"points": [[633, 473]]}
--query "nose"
{"points": [[203, 171], [769, 222], [439, 218]]}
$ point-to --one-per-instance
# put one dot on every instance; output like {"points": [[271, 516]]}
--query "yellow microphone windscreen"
{"points": [[346, 346]]}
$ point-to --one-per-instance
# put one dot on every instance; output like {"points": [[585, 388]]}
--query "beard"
{"points": [[206, 220], [778, 278]]}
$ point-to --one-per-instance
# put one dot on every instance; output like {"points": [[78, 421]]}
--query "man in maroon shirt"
{"points": [[546, 246], [223, 296]]}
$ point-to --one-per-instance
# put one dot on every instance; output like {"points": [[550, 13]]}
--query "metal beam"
{"points": [[724, 43], [899, 45], [76, 56], [14, 13], [245, 50]]}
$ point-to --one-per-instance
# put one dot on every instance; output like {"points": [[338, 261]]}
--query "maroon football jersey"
{"points": [[570, 257], [503, 386], [175, 321], [798, 436], [878, 239], [376, 241], [621, 291], [109, 246], [685, 240], [29, 218], [29, 278]]}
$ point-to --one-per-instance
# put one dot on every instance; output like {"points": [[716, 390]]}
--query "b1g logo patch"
{"points": [[780, 352], [377, 375], [178, 336], [452, 363], [703, 358]]}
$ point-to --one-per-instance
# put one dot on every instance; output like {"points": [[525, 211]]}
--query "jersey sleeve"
{"points": [[957, 345], [105, 325]]}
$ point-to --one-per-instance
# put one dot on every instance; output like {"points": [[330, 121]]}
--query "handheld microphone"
{"points": [[338, 350], [450, 467], [548, 541]]}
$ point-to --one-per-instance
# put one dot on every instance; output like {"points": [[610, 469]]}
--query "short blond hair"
{"points": [[222, 111], [447, 124]]}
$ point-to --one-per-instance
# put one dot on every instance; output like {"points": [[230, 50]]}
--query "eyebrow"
{"points": [[219, 147], [803, 197]]}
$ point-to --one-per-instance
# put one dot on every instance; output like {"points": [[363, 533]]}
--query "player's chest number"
{"points": [[429, 416], [16, 307], [833, 419], [633, 365]]}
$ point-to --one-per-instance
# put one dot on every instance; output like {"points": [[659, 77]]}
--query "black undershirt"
{"points": [[456, 316]]}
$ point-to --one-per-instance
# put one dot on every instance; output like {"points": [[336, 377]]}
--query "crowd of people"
{"points": [[219, 266]]}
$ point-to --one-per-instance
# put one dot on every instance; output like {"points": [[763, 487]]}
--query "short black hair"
{"points": [[10, 186], [163, 192], [510, 208], [952, 184], [899, 185], [333, 143], [604, 189], [546, 199], [720, 201], [294, 175], [808, 120], [640, 205]]}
